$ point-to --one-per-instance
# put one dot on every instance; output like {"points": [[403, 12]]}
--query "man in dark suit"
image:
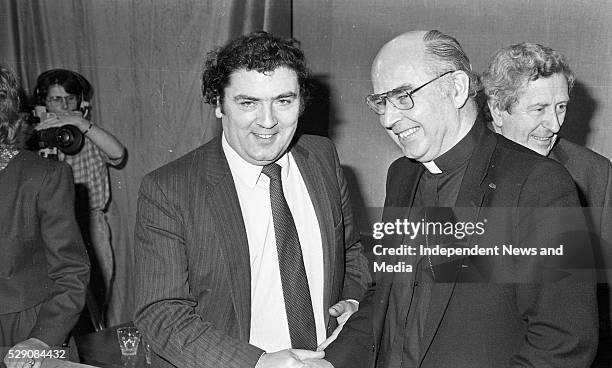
{"points": [[243, 244], [468, 310], [528, 89]]}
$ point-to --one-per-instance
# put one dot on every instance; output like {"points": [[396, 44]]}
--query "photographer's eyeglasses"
{"points": [[59, 100], [401, 97]]}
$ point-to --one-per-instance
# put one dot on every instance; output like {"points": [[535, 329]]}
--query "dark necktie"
{"points": [[293, 274]]}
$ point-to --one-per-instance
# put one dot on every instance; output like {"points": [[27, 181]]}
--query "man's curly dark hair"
{"points": [[259, 51]]}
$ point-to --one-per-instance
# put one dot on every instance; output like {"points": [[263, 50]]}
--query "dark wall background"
{"points": [[341, 37]]}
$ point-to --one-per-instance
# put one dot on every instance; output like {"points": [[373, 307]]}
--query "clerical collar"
{"points": [[432, 167], [457, 155]]}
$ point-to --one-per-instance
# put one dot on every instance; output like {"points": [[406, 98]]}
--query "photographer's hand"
{"points": [[50, 122], [74, 118], [58, 119]]}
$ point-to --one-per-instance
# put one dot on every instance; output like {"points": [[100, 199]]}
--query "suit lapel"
{"points": [[231, 233], [471, 193], [401, 189], [317, 190], [402, 183]]}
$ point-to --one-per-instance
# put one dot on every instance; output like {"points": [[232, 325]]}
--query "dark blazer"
{"points": [[192, 256], [43, 259], [593, 176], [476, 318], [592, 173]]}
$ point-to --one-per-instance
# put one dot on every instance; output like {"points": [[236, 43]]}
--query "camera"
{"points": [[67, 138]]}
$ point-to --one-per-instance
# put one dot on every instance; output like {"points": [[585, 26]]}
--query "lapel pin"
{"points": [[492, 186]]}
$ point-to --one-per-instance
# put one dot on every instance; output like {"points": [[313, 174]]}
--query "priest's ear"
{"points": [[496, 115], [461, 88]]}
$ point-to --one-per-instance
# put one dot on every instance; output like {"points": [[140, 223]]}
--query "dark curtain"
{"points": [[144, 59]]}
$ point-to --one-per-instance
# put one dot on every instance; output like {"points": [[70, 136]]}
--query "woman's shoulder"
{"points": [[33, 164]]}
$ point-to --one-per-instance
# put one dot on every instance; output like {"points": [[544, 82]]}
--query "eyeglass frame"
{"points": [[55, 100], [385, 95]]}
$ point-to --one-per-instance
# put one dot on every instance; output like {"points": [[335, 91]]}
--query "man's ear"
{"points": [[496, 114], [218, 109], [461, 88]]}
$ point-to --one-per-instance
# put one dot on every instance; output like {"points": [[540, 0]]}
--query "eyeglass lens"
{"points": [[58, 100], [401, 98]]}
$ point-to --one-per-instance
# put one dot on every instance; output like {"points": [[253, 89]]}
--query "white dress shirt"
{"points": [[269, 327]]}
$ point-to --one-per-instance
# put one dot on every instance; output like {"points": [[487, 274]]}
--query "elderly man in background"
{"points": [[528, 90], [465, 311]]}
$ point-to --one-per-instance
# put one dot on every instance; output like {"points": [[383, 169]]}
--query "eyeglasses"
{"points": [[401, 97], [59, 100]]}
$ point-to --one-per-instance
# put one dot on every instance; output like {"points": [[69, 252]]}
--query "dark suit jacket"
{"points": [[474, 320], [43, 259], [192, 256], [593, 176]]}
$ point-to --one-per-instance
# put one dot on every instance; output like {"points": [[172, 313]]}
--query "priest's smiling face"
{"points": [[431, 126]]}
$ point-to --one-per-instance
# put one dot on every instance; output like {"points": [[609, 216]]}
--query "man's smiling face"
{"points": [[535, 119], [260, 113]]}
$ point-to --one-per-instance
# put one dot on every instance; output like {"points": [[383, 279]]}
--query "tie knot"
{"points": [[272, 171]]}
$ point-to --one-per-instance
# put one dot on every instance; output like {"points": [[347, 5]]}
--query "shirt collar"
{"points": [[246, 171]]}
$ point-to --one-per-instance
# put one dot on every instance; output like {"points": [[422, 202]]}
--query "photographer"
{"points": [[43, 268], [66, 95]]}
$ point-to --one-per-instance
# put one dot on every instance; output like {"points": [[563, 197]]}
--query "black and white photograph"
{"points": [[305, 183]]}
